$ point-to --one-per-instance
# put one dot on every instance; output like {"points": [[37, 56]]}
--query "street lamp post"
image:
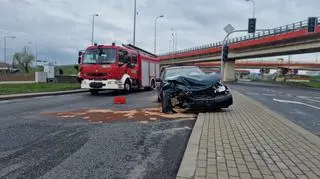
{"points": [[36, 50], [134, 22], [155, 33], [174, 36], [5, 46], [254, 7], [94, 15], [173, 42]]}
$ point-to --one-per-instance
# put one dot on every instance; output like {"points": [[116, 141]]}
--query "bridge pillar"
{"points": [[229, 71]]}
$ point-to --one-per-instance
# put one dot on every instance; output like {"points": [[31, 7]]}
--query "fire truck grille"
{"points": [[96, 74]]}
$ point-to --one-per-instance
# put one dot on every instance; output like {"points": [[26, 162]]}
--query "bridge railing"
{"points": [[275, 31]]}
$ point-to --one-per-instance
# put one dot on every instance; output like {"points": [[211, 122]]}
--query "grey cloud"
{"points": [[62, 27]]}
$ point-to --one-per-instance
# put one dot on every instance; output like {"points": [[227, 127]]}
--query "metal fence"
{"points": [[275, 31]]}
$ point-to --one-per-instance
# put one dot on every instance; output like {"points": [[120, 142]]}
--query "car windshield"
{"points": [[103, 56], [183, 71]]}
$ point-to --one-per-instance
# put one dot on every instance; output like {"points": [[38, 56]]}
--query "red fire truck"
{"points": [[112, 67]]}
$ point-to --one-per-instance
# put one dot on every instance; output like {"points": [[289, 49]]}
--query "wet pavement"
{"points": [[84, 136]]}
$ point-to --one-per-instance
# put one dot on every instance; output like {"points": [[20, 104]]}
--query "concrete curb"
{"points": [[29, 95], [303, 132], [188, 164]]}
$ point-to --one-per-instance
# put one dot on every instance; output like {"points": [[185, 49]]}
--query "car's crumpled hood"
{"points": [[195, 82]]}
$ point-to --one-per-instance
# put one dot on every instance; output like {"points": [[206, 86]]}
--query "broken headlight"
{"points": [[219, 87]]}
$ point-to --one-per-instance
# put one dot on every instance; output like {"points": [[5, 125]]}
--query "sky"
{"points": [[60, 28]]}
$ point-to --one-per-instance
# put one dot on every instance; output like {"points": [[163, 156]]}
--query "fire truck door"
{"points": [[133, 67]]}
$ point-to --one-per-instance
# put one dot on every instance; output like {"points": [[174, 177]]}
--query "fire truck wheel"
{"points": [[127, 86]]}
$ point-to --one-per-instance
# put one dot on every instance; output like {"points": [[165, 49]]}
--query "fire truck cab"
{"points": [[111, 67]]}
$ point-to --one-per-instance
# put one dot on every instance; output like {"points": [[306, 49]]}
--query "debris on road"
{"points": [[119, 100], [109, 115]]}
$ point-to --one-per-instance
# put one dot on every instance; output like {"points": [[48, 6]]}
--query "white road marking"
{"points": [[253, 94], [24, 99], [172, 130], [11, 101], [264, 94], [313, 100], [42, 97], [296, 102], [302, 96], [5, 101]]}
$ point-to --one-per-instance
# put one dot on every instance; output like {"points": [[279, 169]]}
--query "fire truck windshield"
{"points": [[100, 56]]}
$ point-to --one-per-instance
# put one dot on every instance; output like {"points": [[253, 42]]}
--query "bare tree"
{"points": [[23, 60]]}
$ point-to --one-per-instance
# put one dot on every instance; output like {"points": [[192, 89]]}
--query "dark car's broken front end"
{"points": [[204, 91]]}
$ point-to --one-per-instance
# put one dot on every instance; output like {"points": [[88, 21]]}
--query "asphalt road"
{"points": [[83, 136], [300, 105]]}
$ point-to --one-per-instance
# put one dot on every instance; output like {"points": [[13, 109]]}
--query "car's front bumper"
{"points": [[101, 84], [220, 101]]}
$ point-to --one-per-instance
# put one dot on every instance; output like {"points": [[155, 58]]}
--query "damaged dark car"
{"points": [[190, 87]]}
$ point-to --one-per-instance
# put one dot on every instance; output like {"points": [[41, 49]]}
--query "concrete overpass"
{"points": [[284, 40], [265, 65]]}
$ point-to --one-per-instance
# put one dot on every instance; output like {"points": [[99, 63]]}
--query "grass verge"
{"points": [[36, 87]]}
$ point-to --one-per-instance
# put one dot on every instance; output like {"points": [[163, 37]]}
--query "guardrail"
{"points": [[275, 31]]}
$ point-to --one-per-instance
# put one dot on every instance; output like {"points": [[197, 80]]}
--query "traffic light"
{"points": [[312, 23], [252, 25], [225, 53]]}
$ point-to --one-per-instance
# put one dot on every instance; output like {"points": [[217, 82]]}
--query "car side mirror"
{"points": [[79, 60], [76, 67], [158, 80]]}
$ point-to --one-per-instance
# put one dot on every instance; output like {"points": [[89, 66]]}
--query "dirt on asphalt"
{"points": [[109, 115]]}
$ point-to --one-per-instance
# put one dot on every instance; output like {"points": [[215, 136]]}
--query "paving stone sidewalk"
{"points": [[249, 141]]}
